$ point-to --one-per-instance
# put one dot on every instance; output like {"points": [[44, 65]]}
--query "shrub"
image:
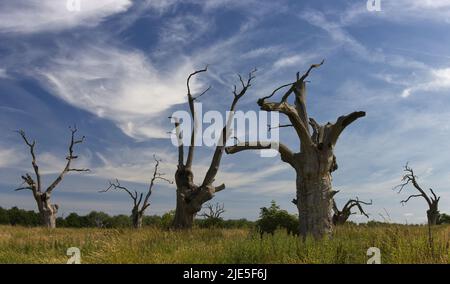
{"points": [[273, 218]]}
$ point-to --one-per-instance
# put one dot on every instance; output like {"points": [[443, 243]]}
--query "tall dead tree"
{"points": [[190, 196], [140, 204], [47, 210], [432, 200], [341, 216], [315, 161]]}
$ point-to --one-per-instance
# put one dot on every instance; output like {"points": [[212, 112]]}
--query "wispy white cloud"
{"points": [[10, 157], [343, 39], [437, 80], [182, 30], [120, 85], [28, 16], [436, 11], [3, 73]]}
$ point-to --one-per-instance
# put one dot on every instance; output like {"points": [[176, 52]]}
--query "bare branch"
{"points": [[341, 123], [69, 158], [180, 141], [294, 118], [31, 145], [191, 99], [215, 162], [213, 211], [304, 76], [22, 188], [410, 178], [286, 154], [403, 202], [156, 176], [269, 127], [276, 90]]}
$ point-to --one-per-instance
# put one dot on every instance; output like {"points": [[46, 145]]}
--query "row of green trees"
{"points": [[270, 219], [20, 217]]}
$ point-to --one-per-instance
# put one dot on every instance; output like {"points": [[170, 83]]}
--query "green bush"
{"points": [[444, 219], [273, 218]]}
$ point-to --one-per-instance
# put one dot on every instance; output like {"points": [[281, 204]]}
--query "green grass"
{"points": [[398, 244]]}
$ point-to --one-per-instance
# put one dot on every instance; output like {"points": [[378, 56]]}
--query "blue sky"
{"points": [[117, 69]]}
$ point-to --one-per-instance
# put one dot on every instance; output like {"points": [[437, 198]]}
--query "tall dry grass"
{"points": [[349, 244]]}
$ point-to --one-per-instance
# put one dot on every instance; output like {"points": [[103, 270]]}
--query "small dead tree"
{"points": [[47, 210], [432, 200], [140, 204], [341, 216], [315, 161], [190, 196], [213, 211]]}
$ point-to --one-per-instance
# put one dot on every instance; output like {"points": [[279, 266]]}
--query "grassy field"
{"points": [[398, 244]]}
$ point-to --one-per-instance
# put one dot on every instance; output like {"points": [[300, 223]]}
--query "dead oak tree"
{"points": [[47, 210], [341, 216], [190, 196], [432, 200], [315, 161], [140, 204], [213, 211]]}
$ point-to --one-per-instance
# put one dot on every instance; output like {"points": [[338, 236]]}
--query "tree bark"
{"points": [[137, 219], [432, 199], [314, 193], [183, 218], [433, 214], [191, 197], [47, 210], [314, 163]]}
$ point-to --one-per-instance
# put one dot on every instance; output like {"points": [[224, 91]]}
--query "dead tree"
{"points": [[213, 211], [140, 204], [341, 216], [47, 210], [315, 161], [432, 200], [190, 196]]}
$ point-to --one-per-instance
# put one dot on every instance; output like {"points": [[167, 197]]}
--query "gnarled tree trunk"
{"points": [[314, 192], [341, 216], [47, 210], [42, 197], [432, 200], [433, 214], [140, 204], [314, 163], [191, 197], [137, 218]]}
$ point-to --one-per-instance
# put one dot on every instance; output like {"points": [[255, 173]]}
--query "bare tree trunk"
{"points": [[183, 218], [137, 219], [47, 210], [49, 219], [190, 196], [314, 194], [314, 163], [432, 200], [140, 204], [433, 215]]}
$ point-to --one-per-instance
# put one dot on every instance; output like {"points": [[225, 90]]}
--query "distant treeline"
{"points": [[94, 219], [271, 218]]}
